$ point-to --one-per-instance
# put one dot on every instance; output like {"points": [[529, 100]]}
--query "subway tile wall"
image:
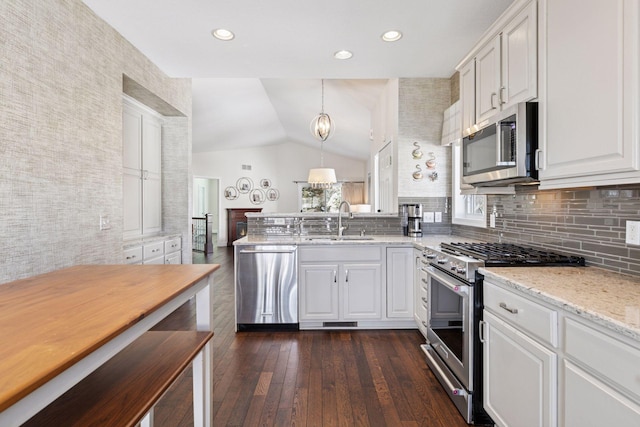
{"points": [[585, 222], [323, 226]]}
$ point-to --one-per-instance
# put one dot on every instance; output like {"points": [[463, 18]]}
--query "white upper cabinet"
{"points": [[142, 174], [502, 69], [488, 80], [589, 98]]}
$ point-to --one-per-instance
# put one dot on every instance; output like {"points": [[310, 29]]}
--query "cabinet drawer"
{"points": [[174, 258], [522, 313], [173, 245], [153, 250], [339, 253], [611, 358], [133, 255]]}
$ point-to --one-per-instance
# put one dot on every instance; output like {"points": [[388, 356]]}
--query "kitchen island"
{"points": [[62, 327]]}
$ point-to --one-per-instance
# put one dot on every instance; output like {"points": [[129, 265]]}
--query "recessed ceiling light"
{"points": [[392, 36], [222, 34], [343, 54]]}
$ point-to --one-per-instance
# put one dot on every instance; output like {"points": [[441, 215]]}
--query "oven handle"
{"points": [[455, 391], [460, 289]]}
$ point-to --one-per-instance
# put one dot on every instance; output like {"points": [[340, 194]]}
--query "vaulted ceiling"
{"points": [[263, 87]]}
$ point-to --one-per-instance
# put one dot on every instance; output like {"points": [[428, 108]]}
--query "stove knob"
{"points": [[441, 260], [461, 270], [430, 255], [453, 266]]}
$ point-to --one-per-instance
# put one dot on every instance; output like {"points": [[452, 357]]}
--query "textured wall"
{"points": [[61, 85], [585, 222], [420, 114]]}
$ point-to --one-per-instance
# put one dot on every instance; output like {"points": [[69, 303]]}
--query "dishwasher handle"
{"points": [[270, 251]]}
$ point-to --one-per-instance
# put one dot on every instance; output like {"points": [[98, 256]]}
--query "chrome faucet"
{"points": [[340, 227]]}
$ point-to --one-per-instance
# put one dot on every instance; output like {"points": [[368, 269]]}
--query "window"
{"points": [[319, 199], [467, 209]]}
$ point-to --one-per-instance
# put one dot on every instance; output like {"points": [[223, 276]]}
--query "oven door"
{"points": [[450, 326]]}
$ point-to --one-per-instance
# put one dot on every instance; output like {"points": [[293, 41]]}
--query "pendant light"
{"points": [[321, 128]]}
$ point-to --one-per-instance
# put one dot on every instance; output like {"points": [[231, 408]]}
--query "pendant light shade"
{"points": [[322, 177]]}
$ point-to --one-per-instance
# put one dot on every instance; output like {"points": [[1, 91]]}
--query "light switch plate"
{"points": [[105, 222], [633, 233], [438, 217]]}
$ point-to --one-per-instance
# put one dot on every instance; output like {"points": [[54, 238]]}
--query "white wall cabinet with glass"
{"points": [[502, 69], [590, 96], [142, 173]]}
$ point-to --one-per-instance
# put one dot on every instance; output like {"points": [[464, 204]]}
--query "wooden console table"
{"points": [[76, 348]]}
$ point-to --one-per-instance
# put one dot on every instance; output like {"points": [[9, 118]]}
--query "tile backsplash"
{"points": [[589, 222]]}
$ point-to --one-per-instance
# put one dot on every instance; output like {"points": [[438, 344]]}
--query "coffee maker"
{"points": [[411, 217]]}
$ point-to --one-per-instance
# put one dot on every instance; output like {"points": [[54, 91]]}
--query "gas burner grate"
{"points": [[507, 254]]}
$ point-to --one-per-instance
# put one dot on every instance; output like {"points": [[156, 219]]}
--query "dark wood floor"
{"points": [[310, 378]]}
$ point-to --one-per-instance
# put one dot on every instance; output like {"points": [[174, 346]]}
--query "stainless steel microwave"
{"points": [[503, 152]]}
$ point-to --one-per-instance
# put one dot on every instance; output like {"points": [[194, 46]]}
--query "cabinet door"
{"points": [[318, 292], [385, 179], [151, 145], [520, 377], [589, 402], [488, 80], [520, 58], [152, 205], [468, 97], [361, 291], [589, 92], [400, 282], [131, 138], [132, 203]]}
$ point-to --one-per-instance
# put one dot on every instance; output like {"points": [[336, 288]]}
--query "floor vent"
{"points": [[339, 324]]}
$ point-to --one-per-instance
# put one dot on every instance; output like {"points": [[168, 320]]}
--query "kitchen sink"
{"points": [[338, 239]]}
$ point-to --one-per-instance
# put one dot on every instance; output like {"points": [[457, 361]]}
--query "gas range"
{"points": [[462, 259]]}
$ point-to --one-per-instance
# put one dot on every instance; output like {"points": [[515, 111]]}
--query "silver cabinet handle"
{"points": [[346, 276], [131, 257], [502, 98], [537, 160], [481, 327], [335, 277], [424, 324], [493, 107], [510, 310], [424, 300], [424, 280]]}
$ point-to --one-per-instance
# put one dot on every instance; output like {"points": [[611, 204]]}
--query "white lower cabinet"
{"points": [[590, 402], [600, 377], [520, 377], [318, 292], [168, 251], [586, 376], [400, 282], [361, 286]]}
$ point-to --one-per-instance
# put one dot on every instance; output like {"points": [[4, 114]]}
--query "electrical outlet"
{"points": [[438, 217], [427, 217], [105, 222], [633, 233]]}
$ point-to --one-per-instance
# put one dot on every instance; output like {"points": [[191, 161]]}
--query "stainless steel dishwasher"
{"points": [[266, 287]]}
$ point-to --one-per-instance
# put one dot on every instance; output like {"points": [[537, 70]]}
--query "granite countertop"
{"points": [[604, 297], [417, 242]]}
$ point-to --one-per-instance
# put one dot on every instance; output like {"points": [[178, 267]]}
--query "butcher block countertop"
{"points": [[50, 322], [605, 297]]}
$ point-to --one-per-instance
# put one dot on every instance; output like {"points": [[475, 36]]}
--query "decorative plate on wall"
{"points": [[273, 194], [265, 183]]}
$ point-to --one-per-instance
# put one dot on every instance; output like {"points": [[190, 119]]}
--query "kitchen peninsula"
{"points": [[61, 329]]}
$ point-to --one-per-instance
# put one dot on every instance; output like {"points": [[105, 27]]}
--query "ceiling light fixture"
{"points": [[321, 125], [222, 34], [321, 128], [343, 54], [392, 36]]}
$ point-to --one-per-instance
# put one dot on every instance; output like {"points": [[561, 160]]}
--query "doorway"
{"points": [[206, 200]]}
